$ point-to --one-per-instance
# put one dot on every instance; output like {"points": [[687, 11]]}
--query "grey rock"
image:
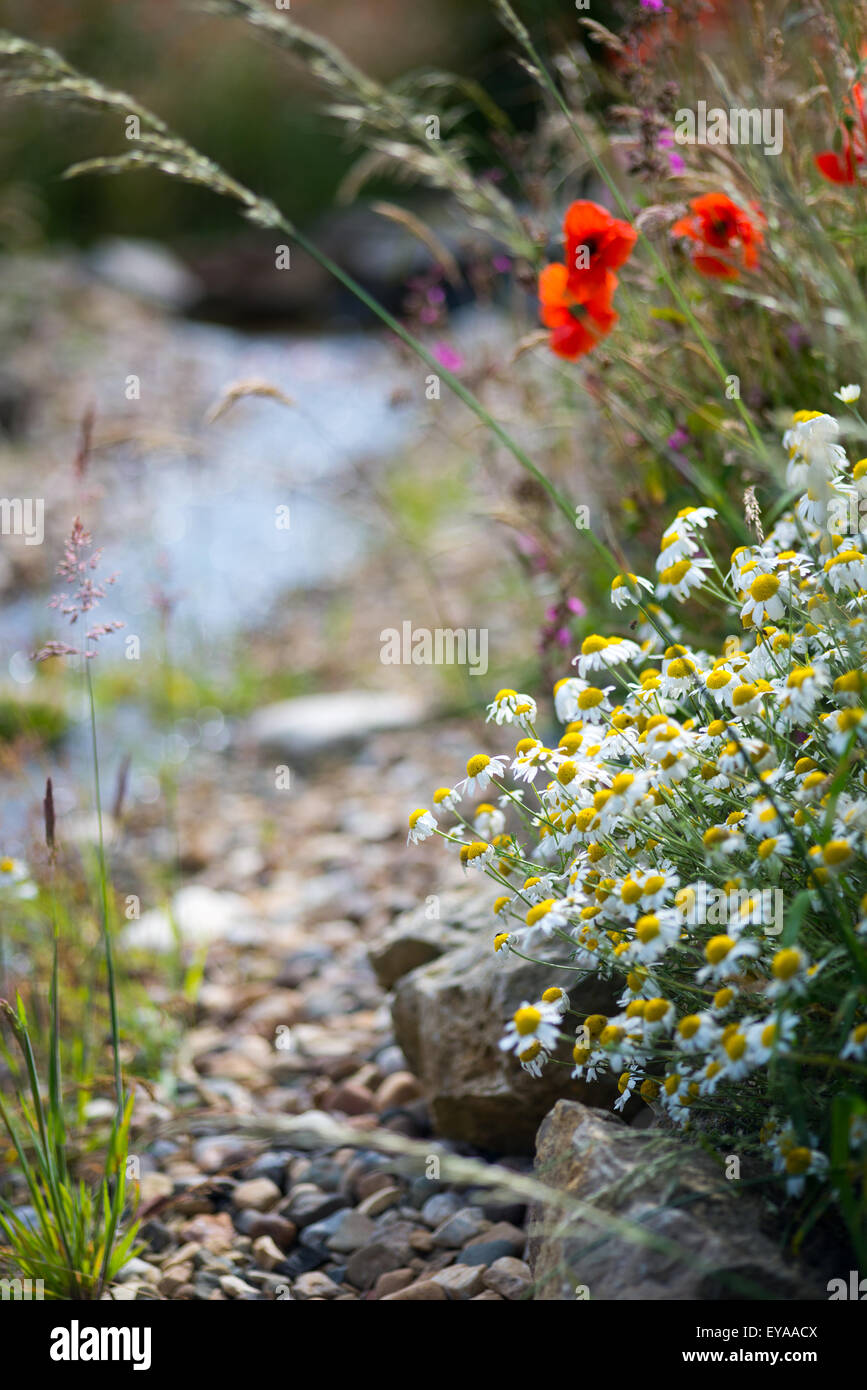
{"points": [[390, 1060], [319, 1233], [459, 1228], [235, 1287], [352, 1230], [156, 1235], [258, 1194], [325, 1173], [508, 1277], [414, 939], [449, 1018], [146, 269], [315, 1285], [306, 1207], [420, 1190], [440, 1207], [365, 1266], [669, 1189], [302, 1260], [460, 1281], [138, 1269], [268, 1165], [199, 916], [485, 1252], [218, 1151], [311, 726]]}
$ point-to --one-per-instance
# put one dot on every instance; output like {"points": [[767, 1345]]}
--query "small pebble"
{"points": [[256, 1194]]}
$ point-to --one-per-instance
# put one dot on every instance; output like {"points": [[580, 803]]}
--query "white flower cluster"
{"points": [[684, 776]]}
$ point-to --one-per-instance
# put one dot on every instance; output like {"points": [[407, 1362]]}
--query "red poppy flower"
{"points": [[717, 225], [596, 243], [847, 164], [578, 317]]}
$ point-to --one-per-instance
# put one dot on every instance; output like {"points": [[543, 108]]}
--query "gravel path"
{"points": [[289, 889]]}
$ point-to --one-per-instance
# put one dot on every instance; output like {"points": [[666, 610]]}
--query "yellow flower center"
{"points": [[673, 574], [736, 1046], [680, 668], [763, 587], [527, 1021], [539, 911], [798, 1161], [647, 928], [631, 891], [590, 698], [836, 852], [477, 764], [718, 948], [786, 963]]}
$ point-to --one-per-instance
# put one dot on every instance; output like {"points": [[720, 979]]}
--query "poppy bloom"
{"points": [[576, 297], [847, 164], [577, 316], [726, 238], [596, 244]]}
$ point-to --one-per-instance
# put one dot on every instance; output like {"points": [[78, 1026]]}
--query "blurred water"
{"points": [[196, 516], [203, 523]]}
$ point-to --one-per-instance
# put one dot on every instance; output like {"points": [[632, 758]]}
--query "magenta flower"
{"points": [[676, 162], [448, 357]]}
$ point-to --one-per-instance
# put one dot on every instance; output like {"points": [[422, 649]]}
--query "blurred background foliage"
{"points": [[255, 113]]}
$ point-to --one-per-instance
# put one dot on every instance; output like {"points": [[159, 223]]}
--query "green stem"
{"points": [[103, 882]]}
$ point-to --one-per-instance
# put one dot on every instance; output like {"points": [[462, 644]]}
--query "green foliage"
{"points": [[79, 1239]]}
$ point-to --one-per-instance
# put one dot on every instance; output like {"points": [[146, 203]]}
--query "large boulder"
{"points": [[415, 938], [449, 1016], [667, 1188]]}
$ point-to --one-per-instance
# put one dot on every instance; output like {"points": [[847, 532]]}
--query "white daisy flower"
{"points": [[682, 578], [722, 953], [626, 589], [508, 706], [772, 1034], [856, 1044], [539, 1022], [476, 855], [697, 1033], [849, 395], [480, 770], [766, 600], [598, 653], [421, 825], [15, 879], [488, 821], [446, 798], [847, 570]]}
